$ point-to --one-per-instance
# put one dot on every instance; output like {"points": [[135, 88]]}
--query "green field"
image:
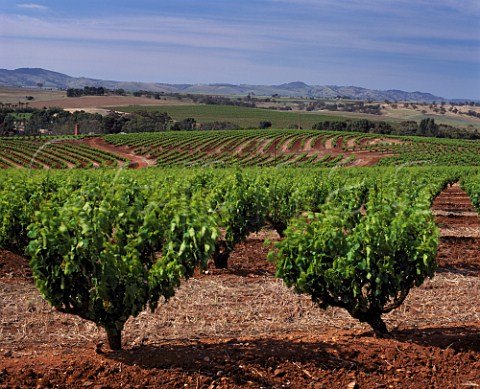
{"points": [[243, 116], [251, 117]]}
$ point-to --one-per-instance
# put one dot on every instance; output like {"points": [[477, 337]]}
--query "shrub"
{"points": [[365, 262], [98, 255], [241, 204]]}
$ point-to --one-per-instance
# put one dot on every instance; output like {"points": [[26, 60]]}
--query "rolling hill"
{"points": [[37, 77]]}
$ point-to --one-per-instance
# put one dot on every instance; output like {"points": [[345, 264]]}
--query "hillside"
{"points": [[244, 148], [35, 77]]}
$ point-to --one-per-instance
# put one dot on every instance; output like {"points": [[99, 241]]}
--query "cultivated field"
{"points": [[242, 328], [245, 148]]}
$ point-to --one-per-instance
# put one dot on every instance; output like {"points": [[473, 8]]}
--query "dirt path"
{"points": [[459, 249], [455, 214], [136, 161]]}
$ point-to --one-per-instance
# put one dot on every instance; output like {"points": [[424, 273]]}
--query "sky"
{"points": [[412, 45]]}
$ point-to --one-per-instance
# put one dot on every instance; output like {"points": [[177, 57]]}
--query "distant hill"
{"points": [[37, 77]]}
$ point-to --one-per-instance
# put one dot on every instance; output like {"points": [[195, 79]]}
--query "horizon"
{"points": [[406, 45], [222, 83]]}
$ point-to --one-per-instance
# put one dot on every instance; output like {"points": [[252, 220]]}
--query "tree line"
{"points": [[93, 91], [56, 121], [426, 127]]}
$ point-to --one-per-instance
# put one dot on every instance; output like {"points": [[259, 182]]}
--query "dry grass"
{"points": [[230, 306], [88, 102], [14, 95]]}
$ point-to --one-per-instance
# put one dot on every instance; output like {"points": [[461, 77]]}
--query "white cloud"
{"points": [[390, 6], [242, 38], [155, 31], [33, 6]]}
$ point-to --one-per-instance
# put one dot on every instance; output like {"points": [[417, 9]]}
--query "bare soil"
{"points": [[241, 327], [136, 161]]}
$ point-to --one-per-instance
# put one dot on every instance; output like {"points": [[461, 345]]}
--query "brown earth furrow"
{"points": [[136, 161], [459, 225]]}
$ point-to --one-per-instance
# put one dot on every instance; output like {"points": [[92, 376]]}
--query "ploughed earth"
{"points": [[241, 327]]}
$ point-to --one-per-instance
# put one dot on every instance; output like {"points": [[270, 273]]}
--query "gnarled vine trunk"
{"points": [[221, 254], [374, 320], [114, 339]]}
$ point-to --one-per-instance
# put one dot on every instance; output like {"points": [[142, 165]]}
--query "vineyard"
{"points": [[300, 277], [53, 153], [245, 148]]}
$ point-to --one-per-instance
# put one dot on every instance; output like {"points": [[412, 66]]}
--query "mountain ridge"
{"points": [[38, 77]]}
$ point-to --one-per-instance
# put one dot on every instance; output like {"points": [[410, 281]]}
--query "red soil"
{"points": [[136, 161]]}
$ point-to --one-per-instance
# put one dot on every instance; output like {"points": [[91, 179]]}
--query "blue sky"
{"points": [[413, 45]]}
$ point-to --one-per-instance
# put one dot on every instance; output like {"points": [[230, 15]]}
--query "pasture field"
{"points": [[13, 95], [450, 119], [250, 117]]}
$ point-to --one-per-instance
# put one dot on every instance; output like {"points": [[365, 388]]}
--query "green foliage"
{"points": [[287, 199], [19, 199], [241, 204], [95, 255], [471, 184], [105, 246], [292, 194], [365, 263]]}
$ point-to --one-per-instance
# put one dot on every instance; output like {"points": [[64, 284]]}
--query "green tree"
{"points": [[265, 124], [428, 127], [114, 123], [7, 124], [188, 124]]}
